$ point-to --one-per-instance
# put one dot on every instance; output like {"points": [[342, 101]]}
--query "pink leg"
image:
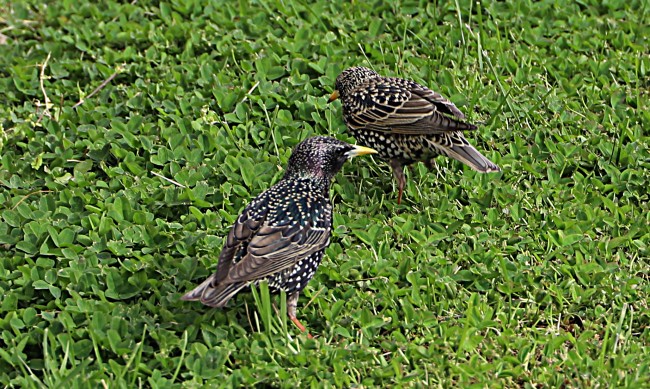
{"points": [[398, 173], [292, 303]]}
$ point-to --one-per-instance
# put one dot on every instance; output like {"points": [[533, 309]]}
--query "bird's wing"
{"points": [[215, 291], [402, 107], [298, 228], [241, 233]]}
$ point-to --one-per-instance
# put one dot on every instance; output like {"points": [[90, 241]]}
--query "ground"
{"points": [[133, 133]]}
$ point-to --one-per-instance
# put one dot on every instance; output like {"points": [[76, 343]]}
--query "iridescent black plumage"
{"points": [[404, 121], [281, 235]]}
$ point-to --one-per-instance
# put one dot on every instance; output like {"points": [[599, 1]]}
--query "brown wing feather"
{"points": [[243, 229], [274, 249], [402, 107]]}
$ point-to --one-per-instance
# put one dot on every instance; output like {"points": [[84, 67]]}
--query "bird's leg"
{"points": [[292, 303], [398, 173]]}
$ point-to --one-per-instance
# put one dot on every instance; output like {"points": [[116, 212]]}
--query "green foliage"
{"points": [[133, 133]]}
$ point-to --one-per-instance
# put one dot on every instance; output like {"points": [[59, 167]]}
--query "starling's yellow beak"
{"points": [[334, 96], [360, 150]]}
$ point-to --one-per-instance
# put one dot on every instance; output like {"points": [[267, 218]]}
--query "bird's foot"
{"points": [[300, 326]]}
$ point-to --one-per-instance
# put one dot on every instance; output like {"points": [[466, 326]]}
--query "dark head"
{"points": [[350, 78], [322, 157]]}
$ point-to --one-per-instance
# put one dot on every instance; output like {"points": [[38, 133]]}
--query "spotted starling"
{"points": [[282, 234], [405, 122]]}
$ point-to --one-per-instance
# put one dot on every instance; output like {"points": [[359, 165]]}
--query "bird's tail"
{"points": [[213, 295], [454, 145]]}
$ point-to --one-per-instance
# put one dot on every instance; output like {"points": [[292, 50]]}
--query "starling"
{"points": [[282, 234], [405, 122]]}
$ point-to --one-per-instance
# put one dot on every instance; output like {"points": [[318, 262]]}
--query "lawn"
{"points": [[133, 133]]}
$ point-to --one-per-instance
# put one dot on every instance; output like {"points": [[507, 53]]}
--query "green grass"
{"points": [[110, 210]]}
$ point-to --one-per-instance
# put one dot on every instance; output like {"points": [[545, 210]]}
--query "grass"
{"points": [[133, 133]]}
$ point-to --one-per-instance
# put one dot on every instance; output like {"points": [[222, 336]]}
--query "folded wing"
{"points": [[402, 107]]}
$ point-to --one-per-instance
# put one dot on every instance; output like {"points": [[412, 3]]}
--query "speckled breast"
{"points": [[406, 148]]}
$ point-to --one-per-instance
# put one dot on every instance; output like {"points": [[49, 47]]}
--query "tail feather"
{"points": [[471, 157], [213, 295], [218, 297], [454, 145], [196, 293]]}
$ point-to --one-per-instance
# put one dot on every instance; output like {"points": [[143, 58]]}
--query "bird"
{"points": [[405, 122], [281, 235]]}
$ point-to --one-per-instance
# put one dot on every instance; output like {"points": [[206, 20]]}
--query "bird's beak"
{"points": [[334, 96], [360, 150]]}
